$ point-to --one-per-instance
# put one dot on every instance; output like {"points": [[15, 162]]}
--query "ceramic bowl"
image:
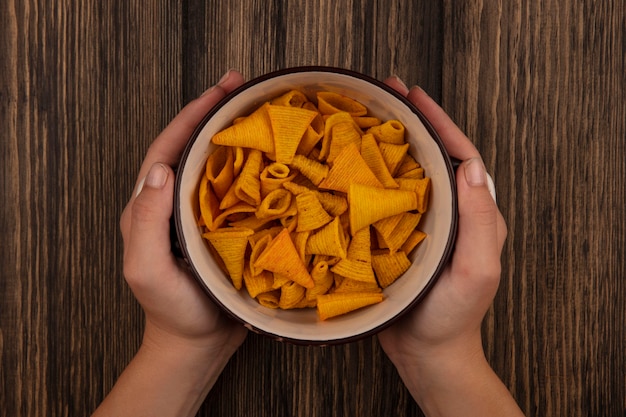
{"points": [[303, 326]]}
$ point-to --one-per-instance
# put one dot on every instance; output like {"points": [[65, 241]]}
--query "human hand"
{"points": [[439, 343], [177, 312]]}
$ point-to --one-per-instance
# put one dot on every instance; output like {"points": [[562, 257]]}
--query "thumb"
{"points": [[149, 247], [478, 244]]}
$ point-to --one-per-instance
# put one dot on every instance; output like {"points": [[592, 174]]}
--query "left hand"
{"points": [[177, 311]]}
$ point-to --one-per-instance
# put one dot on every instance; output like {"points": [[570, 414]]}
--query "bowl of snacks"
{"points": [[315, 205]]}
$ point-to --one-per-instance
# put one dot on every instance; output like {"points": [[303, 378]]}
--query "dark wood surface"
{"points": [[539, 86]]}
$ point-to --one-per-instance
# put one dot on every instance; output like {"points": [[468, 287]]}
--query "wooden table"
{"points": [[539, 86]]}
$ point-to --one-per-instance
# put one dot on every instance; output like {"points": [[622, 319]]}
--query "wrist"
{"points": [[427, 370]]}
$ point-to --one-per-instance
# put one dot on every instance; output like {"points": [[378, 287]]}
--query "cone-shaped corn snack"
{"points": [[248, 183], [330, 122], [335, 304], [323, 279], [280, 280], [370, 204], [230, 244], [313, 133], [257, 249], [275, 204], [209, 205], [393, 155], [349, 285], [389, 267], [334, 204], [313, 170], [358, 262], [330, 103], [365, 122], [343, 134], [257, 284], [254, 131], [407, 164], [329, 240], [290, 295], [349, 168], [421, 188], [311, 214], [292, 98], [414, 239], [288, 126], [385, 228], [238, 208], [273, 176], [220, 170], [402, 231], [374, 159], [391, 131], [281, 257], [269, 299], [416, 174]]}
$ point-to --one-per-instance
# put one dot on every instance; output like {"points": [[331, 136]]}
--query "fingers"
{"points": [[397, 84], [481, 230], [148, 248], [455, 141], [169, 145]]}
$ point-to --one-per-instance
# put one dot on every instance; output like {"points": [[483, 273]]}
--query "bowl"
{"points": [[302, 326]]}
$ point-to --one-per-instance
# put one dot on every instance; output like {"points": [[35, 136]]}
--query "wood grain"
{"points": [[538, 86]]}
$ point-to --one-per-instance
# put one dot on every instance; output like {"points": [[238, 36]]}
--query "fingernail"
{"points": [[225, 77], [418, 88], [157, 176], [402, 83], [475, 173]]}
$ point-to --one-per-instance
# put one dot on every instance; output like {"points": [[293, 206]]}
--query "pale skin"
{"points": [[437, 349]]}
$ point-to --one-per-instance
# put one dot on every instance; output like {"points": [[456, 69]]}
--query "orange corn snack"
{"points": [[292, 98], [311, 214], [335, 304], [329, 103], [421, 187], [374, 159], [323, 279], [273, 176], [414, 239], [343, 134], [281, 256], [393, 155], [274, 204], [257, 284], [291, 294], [329, 123], [329, 240], [288, 126], [248, 185], [389, 267], [365, 122], [370, 204], [254, 131], [230, 244], [269, 299], [209, 204], [349, 168], [220, 170], [391, 131], [312, 202], [358, 263], [310, 168]]}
